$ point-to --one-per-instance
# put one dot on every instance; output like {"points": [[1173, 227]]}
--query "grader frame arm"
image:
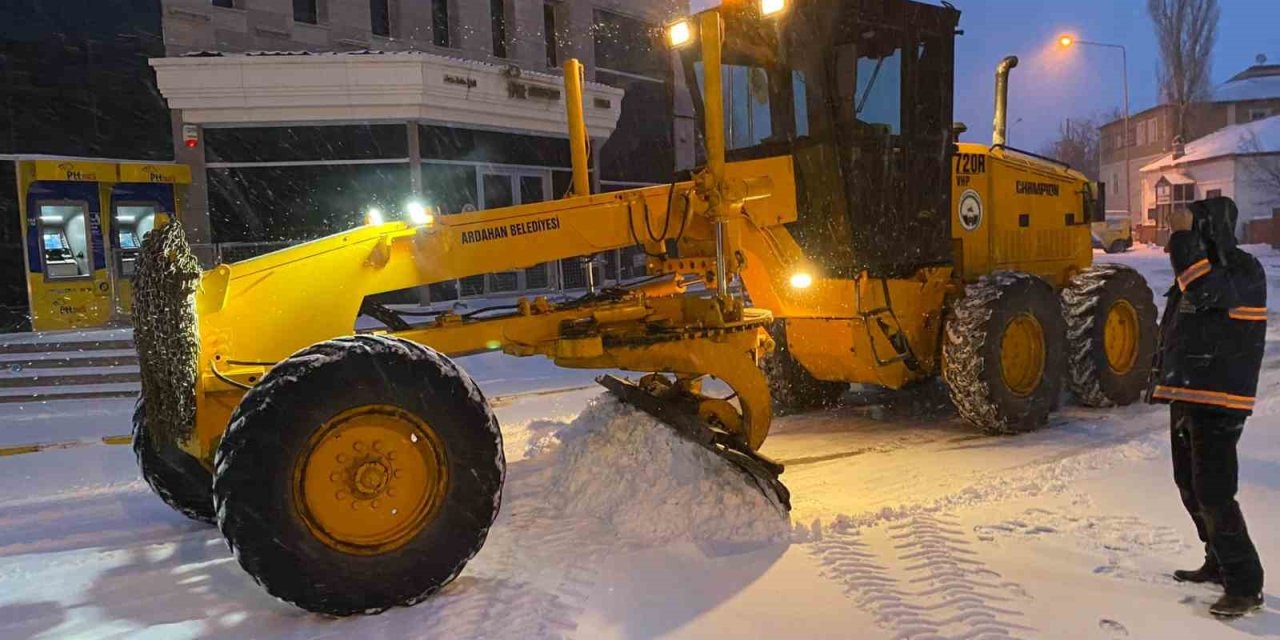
{"points": [[256, 313]]}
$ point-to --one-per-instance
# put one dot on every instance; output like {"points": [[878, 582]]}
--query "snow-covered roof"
{"points": [[1253, 88], [1237, 138], [1174, 177]]}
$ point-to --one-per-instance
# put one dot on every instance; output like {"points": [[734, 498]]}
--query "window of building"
{"points": [[1172, 198], [1153, 131], [629, 46], [1259, 114], [225, 4], [1213, 193], [549, 34], [498, 14], [380, 17], [440, 33], [1142, 133], [306, 11]]}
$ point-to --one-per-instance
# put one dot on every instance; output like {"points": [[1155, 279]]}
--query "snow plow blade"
{"points": [[678, 405]]}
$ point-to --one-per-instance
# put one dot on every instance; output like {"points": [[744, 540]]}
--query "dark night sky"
{"points": [[1052, 84]]}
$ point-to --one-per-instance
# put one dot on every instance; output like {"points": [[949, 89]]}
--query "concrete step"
{"points": [[66, 341], [16, 362], [68, 377], [73, 392]]}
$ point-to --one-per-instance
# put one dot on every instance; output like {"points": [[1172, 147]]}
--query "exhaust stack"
{"points": [[999, 135]]}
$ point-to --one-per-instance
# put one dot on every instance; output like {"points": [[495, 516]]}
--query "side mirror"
{"points": [[1095, 201]]}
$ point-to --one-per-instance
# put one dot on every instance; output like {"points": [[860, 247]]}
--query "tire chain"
{"points": [[963, 364], [165, 331], [1079, 302]]}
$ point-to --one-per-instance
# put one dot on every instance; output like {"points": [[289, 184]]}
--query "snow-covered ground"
{"points": [[905, 524]]}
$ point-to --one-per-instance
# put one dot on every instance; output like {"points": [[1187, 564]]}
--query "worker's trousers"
{"points": [[1206, 470]]}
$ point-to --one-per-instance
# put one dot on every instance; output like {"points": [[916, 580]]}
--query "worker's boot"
{"points": [[1207, 573], [1234, 606]]}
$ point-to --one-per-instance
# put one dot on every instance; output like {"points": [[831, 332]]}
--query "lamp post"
{"points": [[1067, 41]]}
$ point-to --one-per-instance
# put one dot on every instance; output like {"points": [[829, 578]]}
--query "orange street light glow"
{"points": [[1066, 41]]}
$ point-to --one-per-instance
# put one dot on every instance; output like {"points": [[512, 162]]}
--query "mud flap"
{"points": [[679, 410]]}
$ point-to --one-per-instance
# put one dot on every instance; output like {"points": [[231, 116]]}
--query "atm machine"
{"points": [[145, 190], [84, 220], [60, 206]]}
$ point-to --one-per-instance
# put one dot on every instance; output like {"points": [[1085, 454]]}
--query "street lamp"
{"points": [[1067, 41]]}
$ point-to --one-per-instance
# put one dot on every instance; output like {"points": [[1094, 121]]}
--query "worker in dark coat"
{"points": [[1212, 336]]}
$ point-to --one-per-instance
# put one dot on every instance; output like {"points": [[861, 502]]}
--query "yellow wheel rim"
{"points": [[1022, 354], [1120, 336], [371, 479]]}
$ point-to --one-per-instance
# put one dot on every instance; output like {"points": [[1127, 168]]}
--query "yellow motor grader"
{"points": [[351, 471]]}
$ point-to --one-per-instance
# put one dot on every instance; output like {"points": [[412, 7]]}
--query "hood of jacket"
{"points": [[1214, 220]]}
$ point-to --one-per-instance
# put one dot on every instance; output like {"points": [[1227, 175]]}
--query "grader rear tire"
{"points": [[1003, 353], [1111, 335], [179, 479], [791, 387], [360, 474]]}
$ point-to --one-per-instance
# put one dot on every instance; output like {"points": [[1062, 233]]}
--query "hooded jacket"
{"points": [[1213, 330]]}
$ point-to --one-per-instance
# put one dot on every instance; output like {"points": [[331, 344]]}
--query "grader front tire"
{"points": [[360, 474], [791, 387], [1003, 353], [1111, 335], [176, 477]]}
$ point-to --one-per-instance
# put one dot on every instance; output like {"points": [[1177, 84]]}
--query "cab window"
{"points": [[879, 91]]}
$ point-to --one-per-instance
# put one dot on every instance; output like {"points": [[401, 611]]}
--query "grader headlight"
{"points": [[772, 7], [419, 215], [801, 280], [679, 33], [373, 216]]}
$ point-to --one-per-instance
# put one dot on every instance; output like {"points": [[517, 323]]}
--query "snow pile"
{"points": [[622, 466]]}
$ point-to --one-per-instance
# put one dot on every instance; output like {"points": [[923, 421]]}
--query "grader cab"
{"points": [[352, 473]]}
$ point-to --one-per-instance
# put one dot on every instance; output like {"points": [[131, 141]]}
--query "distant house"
{"points": [[1241, 161], [1252, 94]]}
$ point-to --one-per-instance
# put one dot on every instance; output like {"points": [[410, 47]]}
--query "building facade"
{"points": [[1250, 95], [1240, 161], [280, 163]]}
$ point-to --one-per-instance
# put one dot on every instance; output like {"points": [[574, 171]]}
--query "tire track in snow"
{"points": [[919, 579], [532, 579]]}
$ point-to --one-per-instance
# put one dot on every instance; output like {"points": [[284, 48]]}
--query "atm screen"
{"points": [[53, 241], [128, 240]]}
